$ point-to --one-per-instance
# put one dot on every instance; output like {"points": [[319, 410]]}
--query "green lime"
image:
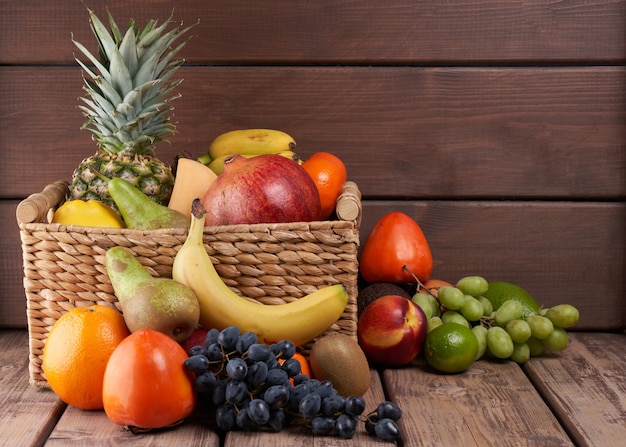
{"points": [[501, 291], [451, 348]]}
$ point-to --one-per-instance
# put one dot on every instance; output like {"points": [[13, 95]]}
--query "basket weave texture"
{"points": [[269, 263]]}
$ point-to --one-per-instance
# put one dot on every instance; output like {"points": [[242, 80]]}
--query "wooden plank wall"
{"points": [[499, 126]]}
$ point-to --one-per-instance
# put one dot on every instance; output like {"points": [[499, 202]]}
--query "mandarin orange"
{"points": [[329, 175], [76, 353], [305, 368]]}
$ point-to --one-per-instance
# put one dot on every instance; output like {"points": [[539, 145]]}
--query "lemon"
{"points": [[501, 291], [451, 348]]}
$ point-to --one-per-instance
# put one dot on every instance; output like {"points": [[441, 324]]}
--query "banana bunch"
{"points": [[217, 165], [299, 321], [249, 143]]}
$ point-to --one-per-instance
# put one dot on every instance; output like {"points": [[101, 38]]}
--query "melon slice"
{"points": [[192, 181]]}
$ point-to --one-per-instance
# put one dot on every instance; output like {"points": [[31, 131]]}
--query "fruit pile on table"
{"points": [[200, 342], [403, 311]]}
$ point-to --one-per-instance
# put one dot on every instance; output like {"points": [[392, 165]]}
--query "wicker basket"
{"points": [[271, 263]]}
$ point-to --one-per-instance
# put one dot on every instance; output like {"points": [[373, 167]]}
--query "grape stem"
{"points": [[420, 284], [487, 321]]}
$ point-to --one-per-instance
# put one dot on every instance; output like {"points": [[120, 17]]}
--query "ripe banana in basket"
{"points": [[299, 321], [251, 142], [217, 165]]}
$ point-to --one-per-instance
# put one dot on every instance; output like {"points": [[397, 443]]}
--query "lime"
{"points": [[451, 348], [502, 291]]}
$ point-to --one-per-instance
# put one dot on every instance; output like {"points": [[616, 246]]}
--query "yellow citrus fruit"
{"points": [[76, 353], [87, 213], [501, 291], [451, 348]]}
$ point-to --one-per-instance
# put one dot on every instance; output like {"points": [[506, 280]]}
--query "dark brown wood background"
{"points": [[499, 126]]}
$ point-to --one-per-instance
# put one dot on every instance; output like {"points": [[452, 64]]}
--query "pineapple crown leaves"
{"points": [[128, 100]]}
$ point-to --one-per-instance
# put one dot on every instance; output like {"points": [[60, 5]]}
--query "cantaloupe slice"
{"points": [[192, 181]]}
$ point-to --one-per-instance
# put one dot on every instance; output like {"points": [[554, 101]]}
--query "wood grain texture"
{"points": [[500, 126], [78, 427], [491, 404], [585, 386], [541, 133], [27, 414], [12, 295], [354, 31]]}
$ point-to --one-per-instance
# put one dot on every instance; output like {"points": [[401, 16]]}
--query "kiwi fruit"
{"points": [[339, 359], [374, 291]]}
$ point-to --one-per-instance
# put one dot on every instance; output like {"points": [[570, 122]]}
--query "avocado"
{"points": [[375, 290]]}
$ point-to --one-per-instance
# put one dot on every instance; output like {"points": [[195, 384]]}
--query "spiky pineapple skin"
{"points": [[129, 89], [149, 174]]}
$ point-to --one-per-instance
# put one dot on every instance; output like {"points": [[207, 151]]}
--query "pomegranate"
{"points": [[263, 189]]}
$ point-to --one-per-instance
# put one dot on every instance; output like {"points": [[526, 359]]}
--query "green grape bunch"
{"points": [[506, 320]]}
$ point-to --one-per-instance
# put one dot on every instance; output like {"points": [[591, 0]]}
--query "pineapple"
{"points": [[127, 107]]}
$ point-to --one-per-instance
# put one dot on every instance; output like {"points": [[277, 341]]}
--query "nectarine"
{"points": [[392, 330]]}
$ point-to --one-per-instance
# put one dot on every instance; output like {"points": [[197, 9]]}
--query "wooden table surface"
{"points": [[577, 397]]}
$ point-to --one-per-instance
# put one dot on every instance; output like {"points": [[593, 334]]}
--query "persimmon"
{"points": [[146, 385], [395, 250]]}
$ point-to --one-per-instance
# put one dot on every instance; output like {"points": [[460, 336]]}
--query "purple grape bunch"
{"points": [[255, 386]]}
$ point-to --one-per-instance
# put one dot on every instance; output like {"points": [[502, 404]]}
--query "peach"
{"points": [[432, 285]]}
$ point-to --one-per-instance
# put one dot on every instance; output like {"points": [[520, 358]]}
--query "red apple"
{"points": [[196, 338], [262, 189], [392, 330]]}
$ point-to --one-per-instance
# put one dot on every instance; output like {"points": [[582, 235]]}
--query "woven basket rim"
{"points": [[253, 228]]}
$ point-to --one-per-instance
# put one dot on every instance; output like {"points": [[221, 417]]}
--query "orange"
{"points": [[304, 365], [77, 351], [305, 368], [329, 175]]}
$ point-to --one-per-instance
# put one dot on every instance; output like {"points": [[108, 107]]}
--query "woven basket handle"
{"points": [[35, 207], [349, 203]]}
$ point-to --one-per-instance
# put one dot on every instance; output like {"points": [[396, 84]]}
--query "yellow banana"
{"points": [[299, 321], [251, 142], [217, 165]]}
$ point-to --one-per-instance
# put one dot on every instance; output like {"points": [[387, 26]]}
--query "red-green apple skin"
{"points": [[392, 330], [196, 338]]}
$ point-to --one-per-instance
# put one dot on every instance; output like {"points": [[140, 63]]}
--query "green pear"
{"points": [[140, 212], [150, 302]]}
